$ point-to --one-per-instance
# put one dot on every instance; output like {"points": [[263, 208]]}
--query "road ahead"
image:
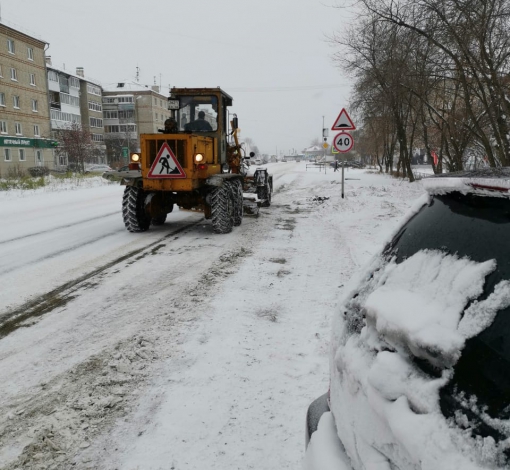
{"points": [[175, 347]]}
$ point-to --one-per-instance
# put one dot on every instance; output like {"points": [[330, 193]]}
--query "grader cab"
{"points": [[195, 163]]}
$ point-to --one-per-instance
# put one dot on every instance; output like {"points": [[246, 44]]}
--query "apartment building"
{"points": [[24, 113], [91, 107], [131, 109], [76, 100]]}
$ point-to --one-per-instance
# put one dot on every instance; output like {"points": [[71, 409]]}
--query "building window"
{"points": [[2, 99], [7, 155], [97, 138], [111, 115], [38, 156], [30, 53], [95, 106], [74, 82], [34, 106], [14, 74], [21, 155], [67, 117], [17, 127], [52, 75], [3, 127], [126, 114], [69, 99], [32, 79], [36, 131], [1, 76], [156, 116], [15, 101], [95, 122], [10, 46], [93, 90]]}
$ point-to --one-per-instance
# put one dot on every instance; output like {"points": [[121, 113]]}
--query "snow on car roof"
{"points": [[487, 181]]}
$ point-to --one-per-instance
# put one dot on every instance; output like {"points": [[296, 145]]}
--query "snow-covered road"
{"points": [[184, 349]]}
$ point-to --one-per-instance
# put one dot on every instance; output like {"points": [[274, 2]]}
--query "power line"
{"points": [[284, 88]]}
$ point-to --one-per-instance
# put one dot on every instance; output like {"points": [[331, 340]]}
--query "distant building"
{"points": [[314, 152], [91, 109], [131, 109], [75, 99], [24, 113]]}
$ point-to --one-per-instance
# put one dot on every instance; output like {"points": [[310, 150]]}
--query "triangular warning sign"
{"points": [[166, 165], [343, 122]]}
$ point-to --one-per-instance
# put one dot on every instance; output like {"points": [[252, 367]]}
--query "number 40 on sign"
{"points": [[343, 142]]}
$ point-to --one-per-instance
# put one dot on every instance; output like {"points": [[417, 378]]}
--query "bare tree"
{"points": [[76, 143], [473, 37]]}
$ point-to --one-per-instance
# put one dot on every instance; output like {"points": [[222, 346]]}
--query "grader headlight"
{"points": [[199, 158], [135, 157]]}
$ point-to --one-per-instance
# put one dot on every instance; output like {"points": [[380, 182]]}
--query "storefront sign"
{"points": [[24, 142]]}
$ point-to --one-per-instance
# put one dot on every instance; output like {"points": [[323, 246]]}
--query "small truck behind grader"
{"points": [[195, 163]]}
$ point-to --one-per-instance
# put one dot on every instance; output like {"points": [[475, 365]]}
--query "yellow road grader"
{"points": [[195, 163]]}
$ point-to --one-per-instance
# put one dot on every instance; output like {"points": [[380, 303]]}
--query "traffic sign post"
{"points": [[343, 142]]}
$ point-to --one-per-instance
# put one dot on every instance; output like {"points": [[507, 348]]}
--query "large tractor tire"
{"points": [[133, 210], [222, 209], [236, 188], [264, 193], [161, 219]]}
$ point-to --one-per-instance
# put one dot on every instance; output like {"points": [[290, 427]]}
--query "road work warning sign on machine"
{"points": [[166, 165]]}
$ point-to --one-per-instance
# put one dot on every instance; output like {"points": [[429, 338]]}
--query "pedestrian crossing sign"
{"points": [[166, 165]]}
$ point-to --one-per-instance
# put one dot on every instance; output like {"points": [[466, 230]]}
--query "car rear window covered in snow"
{"points": [[478, 228]]}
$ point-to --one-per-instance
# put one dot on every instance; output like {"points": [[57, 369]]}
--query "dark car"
{"points": [[420, 350]]}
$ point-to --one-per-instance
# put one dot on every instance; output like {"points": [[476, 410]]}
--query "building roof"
{"points": [[79, 77], [129, 86], [6, 26]]}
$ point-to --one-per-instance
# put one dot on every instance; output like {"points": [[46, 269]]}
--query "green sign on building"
{"points": [[25, 142]]}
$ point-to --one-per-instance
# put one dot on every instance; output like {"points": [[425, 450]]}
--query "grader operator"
{"points": [[196, 163]]}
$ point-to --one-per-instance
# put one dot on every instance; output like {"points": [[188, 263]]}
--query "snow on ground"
{"points": [[206, 351]]}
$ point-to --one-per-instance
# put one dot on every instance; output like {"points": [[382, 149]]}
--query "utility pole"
{"points": [[325, 133]]}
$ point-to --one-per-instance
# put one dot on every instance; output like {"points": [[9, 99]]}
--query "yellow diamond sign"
{"points": [[325, 145]]}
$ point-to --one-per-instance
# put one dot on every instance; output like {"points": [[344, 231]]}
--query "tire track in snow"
{"points": [[13, 319], [60, 227]]}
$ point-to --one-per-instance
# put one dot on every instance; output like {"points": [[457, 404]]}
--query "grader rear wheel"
{"points": [[264, 193], [133, 210], [159, 220], [236, 189], [222, 209]]}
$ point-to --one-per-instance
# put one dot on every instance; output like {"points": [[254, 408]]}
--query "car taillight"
{"points": [[134, 166], [489, 188], [202, 166]]}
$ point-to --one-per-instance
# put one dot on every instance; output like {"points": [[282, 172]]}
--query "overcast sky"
{"points": [[272, 56]]}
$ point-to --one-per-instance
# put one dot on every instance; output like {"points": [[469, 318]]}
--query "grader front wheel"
{"points": [[133, 210], [222, 209]]}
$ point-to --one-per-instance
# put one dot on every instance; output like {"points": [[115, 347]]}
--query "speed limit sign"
{"points": [[343, 142]]}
